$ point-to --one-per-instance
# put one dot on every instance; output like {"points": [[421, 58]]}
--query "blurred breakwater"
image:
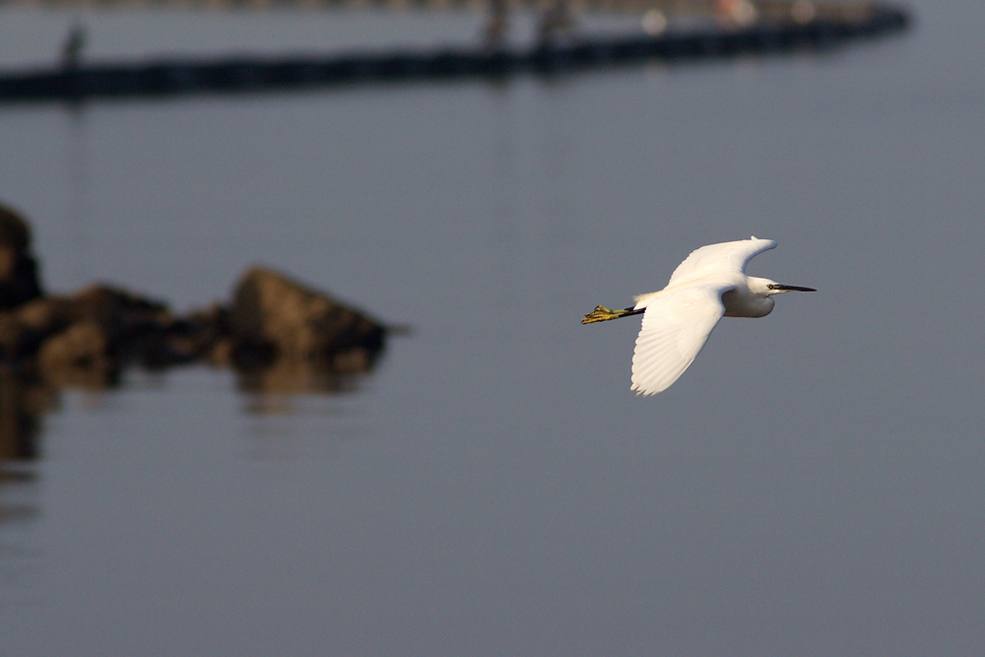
{"points": [[778, 27], [765, 8]]}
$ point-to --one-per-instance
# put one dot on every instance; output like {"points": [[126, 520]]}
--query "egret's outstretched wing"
{"points": [[727, 256], [676, 326]]}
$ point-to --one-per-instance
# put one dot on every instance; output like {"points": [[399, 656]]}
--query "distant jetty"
{"points": [[776, 31]]}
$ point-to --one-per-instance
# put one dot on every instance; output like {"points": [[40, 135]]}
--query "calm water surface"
{"points": [[811, 486]]}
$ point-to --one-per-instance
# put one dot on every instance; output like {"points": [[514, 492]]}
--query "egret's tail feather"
{"points": [[602, 314]]}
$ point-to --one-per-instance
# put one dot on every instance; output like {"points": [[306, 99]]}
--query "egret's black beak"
{"points": [[792, 288]]}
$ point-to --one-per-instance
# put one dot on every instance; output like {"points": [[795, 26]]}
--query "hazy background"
{"points": [[811, 486]]}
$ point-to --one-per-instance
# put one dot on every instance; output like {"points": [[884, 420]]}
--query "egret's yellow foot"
{"points": [[601, 314]]}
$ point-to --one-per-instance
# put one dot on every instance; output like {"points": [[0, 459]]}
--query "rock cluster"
{"points": [[90, 336]]}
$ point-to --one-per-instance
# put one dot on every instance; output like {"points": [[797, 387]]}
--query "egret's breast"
{"points": [[740, 302]]}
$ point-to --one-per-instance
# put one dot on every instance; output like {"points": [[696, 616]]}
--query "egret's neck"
{"points": [[749, 300]]}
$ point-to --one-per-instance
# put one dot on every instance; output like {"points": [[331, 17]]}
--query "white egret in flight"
{"points": [[677, 320]]}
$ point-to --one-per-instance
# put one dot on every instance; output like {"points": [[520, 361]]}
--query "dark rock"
{"points": [[136, 328], [122, 315], [281, 335], [201, 335], [18, 269], [23, 329], [274, 317], [81, 355], [88, 337], [100, 328]]}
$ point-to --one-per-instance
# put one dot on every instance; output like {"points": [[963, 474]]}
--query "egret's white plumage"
{"points": [[677, 320]]}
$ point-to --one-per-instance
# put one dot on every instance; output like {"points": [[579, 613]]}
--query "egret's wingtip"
{"points": [[640, 392]]}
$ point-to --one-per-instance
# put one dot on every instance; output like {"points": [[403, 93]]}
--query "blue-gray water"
{"points": [[811, 486]]}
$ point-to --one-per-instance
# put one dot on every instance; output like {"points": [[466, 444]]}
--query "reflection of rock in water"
{"points": [[22, 400], [292, 377]]}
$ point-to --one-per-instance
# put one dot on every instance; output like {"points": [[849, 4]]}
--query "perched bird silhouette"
{"points": [[677, 320]]}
